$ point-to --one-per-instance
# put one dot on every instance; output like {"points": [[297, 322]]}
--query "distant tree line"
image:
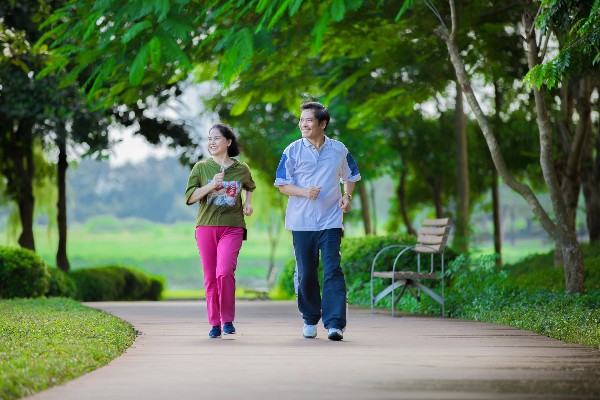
{"points": [[152, 189]]}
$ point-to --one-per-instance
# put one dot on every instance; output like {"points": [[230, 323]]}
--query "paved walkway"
{"points": [[380, 358]]}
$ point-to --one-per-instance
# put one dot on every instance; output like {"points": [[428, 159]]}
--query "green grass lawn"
{"points": [[514, 251], [166, 250], [45, 342], [170, 251]]}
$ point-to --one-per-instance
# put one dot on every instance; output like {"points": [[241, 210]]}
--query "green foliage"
{"points": [[61, 284], [155, 289], [480, 291], [285, 280], [357, 258], [46, 342], [576, 24], [539, 272], [22, 273], [116, 282], [527, 295]]}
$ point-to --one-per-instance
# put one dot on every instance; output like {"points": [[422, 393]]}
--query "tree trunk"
{"points": [[364, 205], [571, 248], [565, 238], [591, 184], [373, 208], [23, 181], [570, 183], [62, 260], [461, 236], [401, 194], [497, 220], [436, 195]]}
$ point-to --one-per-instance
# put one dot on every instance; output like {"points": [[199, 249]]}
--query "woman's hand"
{"points": [[217, 180], [248, 210]]}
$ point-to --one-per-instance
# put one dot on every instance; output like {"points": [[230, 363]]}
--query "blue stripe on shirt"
{"points": [[281, 171], [352, 164]]}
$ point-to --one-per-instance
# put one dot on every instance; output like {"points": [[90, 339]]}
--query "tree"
{"points": [[239, 46], [559, 231], [39, 110], [21, 115]]}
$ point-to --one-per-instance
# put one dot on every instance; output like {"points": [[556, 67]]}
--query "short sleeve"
{"points": [[248, 183], [194, 181], [285, 171], [349, 169]]}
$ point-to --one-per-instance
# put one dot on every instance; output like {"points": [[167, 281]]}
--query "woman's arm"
{"points": [[248, 203], [201, 192]]}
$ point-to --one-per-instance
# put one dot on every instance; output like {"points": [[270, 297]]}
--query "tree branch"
{"points": [[524, 190], [545, 129]]}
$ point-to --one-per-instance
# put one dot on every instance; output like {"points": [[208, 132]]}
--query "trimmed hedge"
{"points": [[61, 284], [116, 282], [357, 256], [22, 273]]}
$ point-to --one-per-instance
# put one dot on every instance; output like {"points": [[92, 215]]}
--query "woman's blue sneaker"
{"points": [[228, 328], [215, 332]]}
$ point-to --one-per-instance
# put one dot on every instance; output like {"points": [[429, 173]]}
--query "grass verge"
{"points": [[241, 293], [45, 342]]}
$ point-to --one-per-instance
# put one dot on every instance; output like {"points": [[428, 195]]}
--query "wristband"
{"points": [[349, 195]]}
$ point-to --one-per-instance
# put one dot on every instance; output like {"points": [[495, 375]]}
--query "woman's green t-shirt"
{"points": [[223, 206]]}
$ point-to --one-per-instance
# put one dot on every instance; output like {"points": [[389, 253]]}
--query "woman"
{"points": [[218, 183]]}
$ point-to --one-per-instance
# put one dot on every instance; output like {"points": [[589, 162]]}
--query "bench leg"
{"points": [[387, 290], [428, 291]]}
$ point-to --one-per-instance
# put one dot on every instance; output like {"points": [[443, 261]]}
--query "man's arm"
{"points": [[293, 190], [345, 200]]}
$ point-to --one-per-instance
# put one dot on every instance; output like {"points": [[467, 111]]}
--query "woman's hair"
{"points": [[234, 148]]}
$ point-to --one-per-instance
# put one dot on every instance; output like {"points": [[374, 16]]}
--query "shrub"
{"points": [[155, 289], [61, 284], [357, 256], [538, 271], [137, 282], [116, 282], [22, 273], [98, 284], [286, 277]]}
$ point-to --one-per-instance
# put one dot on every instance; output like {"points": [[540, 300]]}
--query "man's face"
{"points": [[309, 125]]}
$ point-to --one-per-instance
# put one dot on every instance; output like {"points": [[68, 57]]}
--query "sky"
{"points": [[135, 149]]}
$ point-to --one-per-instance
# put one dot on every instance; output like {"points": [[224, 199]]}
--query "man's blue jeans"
{"points": [[332, 306]]}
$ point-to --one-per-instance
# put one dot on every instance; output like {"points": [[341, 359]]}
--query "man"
{"points": [[310, 172]]}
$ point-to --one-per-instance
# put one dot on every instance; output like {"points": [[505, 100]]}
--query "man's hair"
{"points": [[321, 111], [234, 148]]}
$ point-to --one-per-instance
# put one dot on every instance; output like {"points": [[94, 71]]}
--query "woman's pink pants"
{"points": [[219, 247]]}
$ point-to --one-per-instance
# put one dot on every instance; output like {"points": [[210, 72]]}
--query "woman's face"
{"points": [[217, 143]]}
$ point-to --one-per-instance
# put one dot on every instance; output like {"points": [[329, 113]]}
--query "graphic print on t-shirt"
{"points": [[225, 194]]}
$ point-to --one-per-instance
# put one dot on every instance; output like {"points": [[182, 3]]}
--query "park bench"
{"points": [[431, 241]]}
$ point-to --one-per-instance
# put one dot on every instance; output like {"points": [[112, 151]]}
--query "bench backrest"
{"points": [[433, 235]]}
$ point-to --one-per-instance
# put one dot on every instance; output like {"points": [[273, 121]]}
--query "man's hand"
{"points": [[313, 192], [345, 203]]}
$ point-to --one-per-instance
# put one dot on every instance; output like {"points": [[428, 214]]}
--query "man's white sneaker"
{"points": [[309, 331], [335, 334]]}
